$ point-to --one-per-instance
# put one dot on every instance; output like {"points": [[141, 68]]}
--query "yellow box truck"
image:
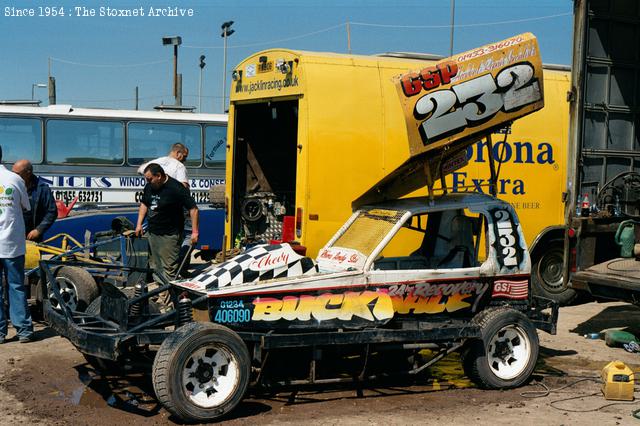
{"points": [[310, 132]]}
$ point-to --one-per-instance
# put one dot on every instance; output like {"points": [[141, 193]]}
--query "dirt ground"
{"points": [[49, 382]]}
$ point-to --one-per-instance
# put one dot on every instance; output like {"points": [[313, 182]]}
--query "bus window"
{"points": [[215, 145], [21, 138], [84, 142], [152, 140]]}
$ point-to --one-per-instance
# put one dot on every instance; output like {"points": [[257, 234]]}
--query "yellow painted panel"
{"points": [[352, 132], [271, 73]]}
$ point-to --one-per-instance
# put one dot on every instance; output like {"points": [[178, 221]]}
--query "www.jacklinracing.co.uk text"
{"points": [[267, 85]]}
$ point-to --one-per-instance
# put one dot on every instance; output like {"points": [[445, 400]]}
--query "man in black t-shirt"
{"points": [[162, 202]]}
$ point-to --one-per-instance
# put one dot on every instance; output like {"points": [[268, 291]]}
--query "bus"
{"points": [[90, 157], [310, 132]]}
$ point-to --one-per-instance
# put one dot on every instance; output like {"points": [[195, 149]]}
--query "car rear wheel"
{"points": [[76, 287], [101, 365], [201, 371], [122, 365], [506, 355]]}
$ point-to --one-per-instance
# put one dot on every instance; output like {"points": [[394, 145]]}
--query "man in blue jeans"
{"points": [[13, 200]]}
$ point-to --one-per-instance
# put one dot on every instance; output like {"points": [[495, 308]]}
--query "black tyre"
{"points": [[35, 288], [546, 274], [201, 371], [94, 307], [76, 286], [207, 255], [101, 365], [507, 354]]}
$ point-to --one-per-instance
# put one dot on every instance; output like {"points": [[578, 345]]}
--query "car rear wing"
{"points": [[456, 102]]}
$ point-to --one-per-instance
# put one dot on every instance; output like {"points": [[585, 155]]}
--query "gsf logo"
{"points": [[472, 102], [502, 286]]}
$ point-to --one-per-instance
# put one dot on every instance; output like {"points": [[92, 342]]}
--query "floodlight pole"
{"points": [[175, 72], [202, 65], [175, 41], [226, 32], [453, 14]]}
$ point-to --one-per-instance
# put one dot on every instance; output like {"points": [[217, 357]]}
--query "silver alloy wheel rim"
{"points": [[210, 375], [68, 292], [508, 352]]}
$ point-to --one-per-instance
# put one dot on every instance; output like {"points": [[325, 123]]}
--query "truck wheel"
{"points": [[506, 355], [546, 275], [201, 371], [76, 286]]}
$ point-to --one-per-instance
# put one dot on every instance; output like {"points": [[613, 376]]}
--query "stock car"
{"points": [[447, 274]]}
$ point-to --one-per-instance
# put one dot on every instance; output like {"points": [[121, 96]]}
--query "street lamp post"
{"points": [[33, 89], [202, 64], [226, 32], [175, 41], [453, 16]]}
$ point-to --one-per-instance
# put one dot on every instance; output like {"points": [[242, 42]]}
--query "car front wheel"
{"points": [[201, 371]]}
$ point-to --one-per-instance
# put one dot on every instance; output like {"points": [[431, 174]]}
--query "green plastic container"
{"points": [[616, 338]]}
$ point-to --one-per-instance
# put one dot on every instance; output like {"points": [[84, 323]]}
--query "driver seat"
{"points": [[462, 250]]}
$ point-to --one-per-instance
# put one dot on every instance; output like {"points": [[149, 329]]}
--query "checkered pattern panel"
{"points": [[238, 270]]}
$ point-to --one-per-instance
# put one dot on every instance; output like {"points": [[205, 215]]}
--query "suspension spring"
{"points": [[138, 307], [185, 311]]}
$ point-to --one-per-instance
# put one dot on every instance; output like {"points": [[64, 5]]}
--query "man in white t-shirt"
{"points": [[13, 200], [172, 164]]}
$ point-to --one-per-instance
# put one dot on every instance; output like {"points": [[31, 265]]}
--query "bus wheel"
{"points": [[76, 286], [201, 371], [507, 353], [546, 274]]}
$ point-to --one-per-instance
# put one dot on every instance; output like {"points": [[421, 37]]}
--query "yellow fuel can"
{"points": [[617, 381]]}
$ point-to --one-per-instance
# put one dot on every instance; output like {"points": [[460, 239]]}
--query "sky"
{"points": [[98, 61]]}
